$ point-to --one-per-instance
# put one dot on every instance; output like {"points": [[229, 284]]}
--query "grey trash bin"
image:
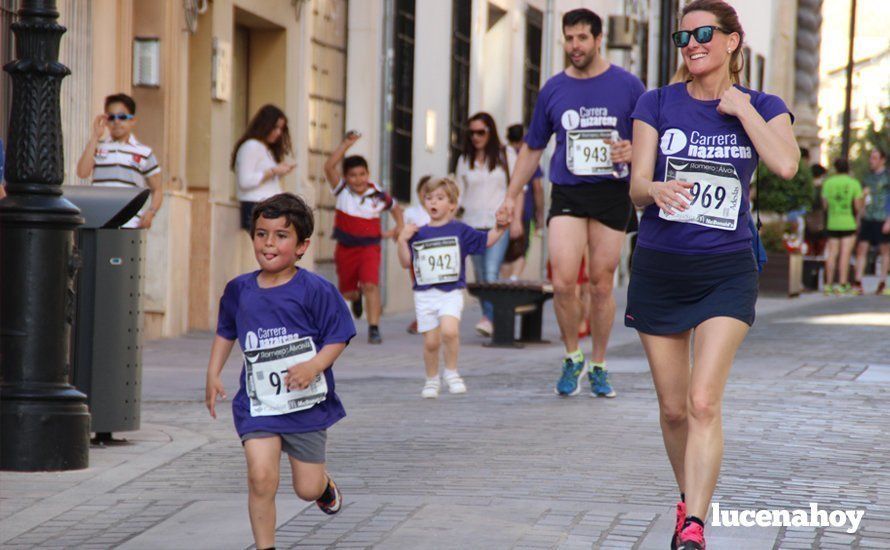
{"points": [[107, 344]]}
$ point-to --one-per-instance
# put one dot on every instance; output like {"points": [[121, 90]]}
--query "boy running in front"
{"points": [[292, 325]]}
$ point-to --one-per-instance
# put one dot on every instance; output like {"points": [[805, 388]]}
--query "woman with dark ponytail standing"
{"points": [[697, 143]]}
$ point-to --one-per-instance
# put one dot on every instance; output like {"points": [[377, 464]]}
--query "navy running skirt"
{"points": [[672, 293]]}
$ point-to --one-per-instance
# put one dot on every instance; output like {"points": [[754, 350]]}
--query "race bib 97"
{"points": [[265, 371], [437, 261], [588, 153], [716, 193]]}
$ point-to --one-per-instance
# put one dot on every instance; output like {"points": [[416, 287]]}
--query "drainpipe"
{"points": [[386, 110]]}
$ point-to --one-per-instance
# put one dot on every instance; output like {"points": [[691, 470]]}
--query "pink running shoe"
{"points": [[681, 519], [692, 537]]}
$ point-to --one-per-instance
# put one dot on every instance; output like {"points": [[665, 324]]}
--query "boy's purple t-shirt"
{"points": [[565, 103], [692, 129], [470, 240], [260, 318]]}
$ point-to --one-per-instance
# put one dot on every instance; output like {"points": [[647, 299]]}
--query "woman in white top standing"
{"points": [[483, 171], [258, 159]]}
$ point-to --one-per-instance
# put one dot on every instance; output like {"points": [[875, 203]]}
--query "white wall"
{"points": [[432, 87]]}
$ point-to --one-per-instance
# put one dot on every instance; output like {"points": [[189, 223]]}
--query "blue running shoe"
{"points": [[599, 383], [570, 381]]}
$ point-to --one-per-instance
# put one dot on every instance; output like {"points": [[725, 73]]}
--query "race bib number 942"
{"points": [[588, 153], [716, 193], [437, 261], [265, 371]]}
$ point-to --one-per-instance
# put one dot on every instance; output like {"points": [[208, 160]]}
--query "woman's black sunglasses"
{"points": [[702, 35]]}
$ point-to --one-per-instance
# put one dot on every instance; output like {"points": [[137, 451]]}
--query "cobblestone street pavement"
{"points": [[508, 465]]}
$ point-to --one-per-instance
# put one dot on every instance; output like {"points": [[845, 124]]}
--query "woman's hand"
{"points": [[668, 195], [283, 168], [733, 102]]}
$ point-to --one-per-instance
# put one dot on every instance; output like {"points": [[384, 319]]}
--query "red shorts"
{"points": [[357, 265]]}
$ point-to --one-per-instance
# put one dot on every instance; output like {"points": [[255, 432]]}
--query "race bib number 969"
{"points": [[716, 192]]}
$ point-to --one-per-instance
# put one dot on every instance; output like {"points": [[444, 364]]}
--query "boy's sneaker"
{"points": [[692, 537], [331, 501], [681, 519], [570, 381], [599, 383], [357, 308], [484, 328], [455, 382], [374, 336], [431, 388], [842, 290]]}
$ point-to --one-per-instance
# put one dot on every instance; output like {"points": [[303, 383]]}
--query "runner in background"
{"points": [[842, 199], [532, 206]]}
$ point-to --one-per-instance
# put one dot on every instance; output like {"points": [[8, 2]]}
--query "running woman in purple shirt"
{"points": [[696, 145], [588, 108]]}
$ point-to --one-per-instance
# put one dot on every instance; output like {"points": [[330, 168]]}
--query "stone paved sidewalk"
{"points": [[508, 465]]}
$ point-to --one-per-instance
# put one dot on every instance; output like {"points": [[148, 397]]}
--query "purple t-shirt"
{"points": [[266, 318], [435, 241], [565, 104], [693, 136]]}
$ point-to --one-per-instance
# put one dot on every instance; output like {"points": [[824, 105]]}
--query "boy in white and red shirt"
{"points": [[358, 232]]}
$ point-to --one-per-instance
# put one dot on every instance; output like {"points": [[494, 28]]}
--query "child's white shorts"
{"points": [[431, 304]]}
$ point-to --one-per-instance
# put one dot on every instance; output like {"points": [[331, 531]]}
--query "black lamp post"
{"points": [[44, 421]]}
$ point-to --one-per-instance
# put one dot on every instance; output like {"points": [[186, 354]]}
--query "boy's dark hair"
{"points": [[123, 99], [420, 183], [818, 170], [515, 133], [583, 15], [292, 207], [354, 161], [841, 166]]}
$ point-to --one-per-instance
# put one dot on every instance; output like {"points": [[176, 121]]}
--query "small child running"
{"points": [[437, 255], [281, 315]]}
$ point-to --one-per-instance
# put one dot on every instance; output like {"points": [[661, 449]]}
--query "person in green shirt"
{"points": [[842, 198], [874, 220]]}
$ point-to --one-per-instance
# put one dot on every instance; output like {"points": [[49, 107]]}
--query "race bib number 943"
{"points": [[437, 261], [587, 153], [716, 193], [265, 371]]}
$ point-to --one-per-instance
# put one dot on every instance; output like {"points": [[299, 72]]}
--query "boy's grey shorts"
{"points": [[305, 447]]}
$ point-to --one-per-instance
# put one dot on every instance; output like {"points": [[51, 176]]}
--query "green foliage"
{"points": [[782, 196], [876, 135], [771, 236]]}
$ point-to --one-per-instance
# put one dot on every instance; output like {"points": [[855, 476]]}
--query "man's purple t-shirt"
{"points": [[470, 241], [604, 102], [262, 318], [690, 129]]}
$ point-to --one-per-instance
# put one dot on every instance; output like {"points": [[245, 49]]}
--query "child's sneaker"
{"points": [[692, 537], [331, 500], [599, 383], [431, 388], [681, 520], [455, 382]]}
